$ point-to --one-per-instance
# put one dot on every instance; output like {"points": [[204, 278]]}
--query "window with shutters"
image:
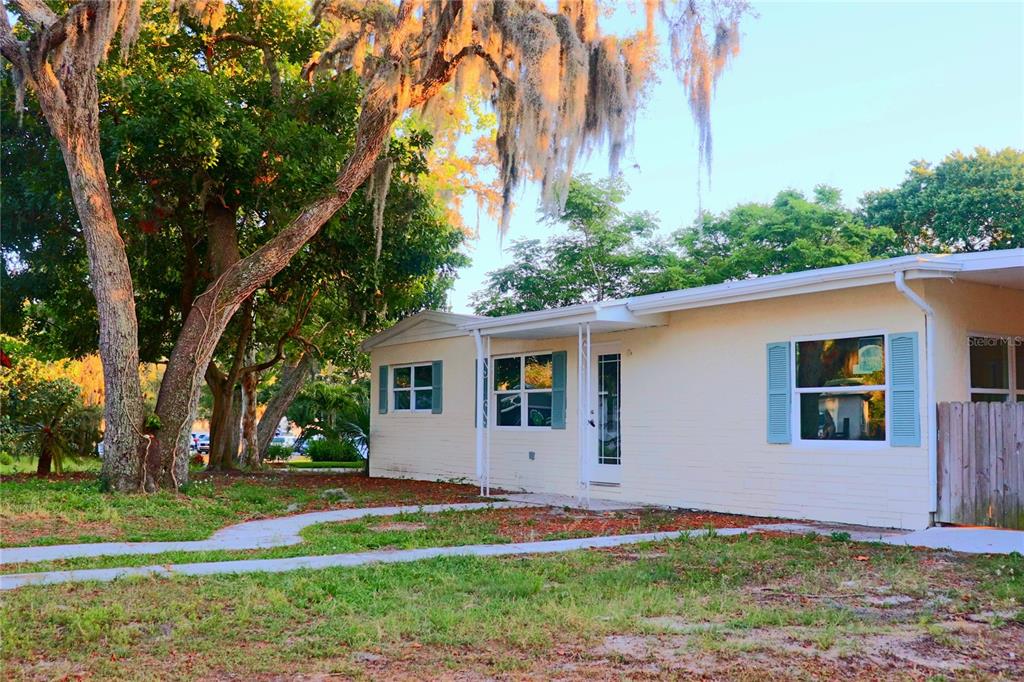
{"points": [[840, 387], [412, 388], [996, 368], [522, 389]]}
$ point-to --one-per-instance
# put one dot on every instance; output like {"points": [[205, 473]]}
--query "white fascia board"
{"points": [[792, 284], [992, 260]]}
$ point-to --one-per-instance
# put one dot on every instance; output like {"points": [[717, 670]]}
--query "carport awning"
{"points": [[610, 316]]}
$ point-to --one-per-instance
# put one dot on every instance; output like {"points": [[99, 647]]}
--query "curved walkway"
{"points": [[261, 534], [10, 582]]}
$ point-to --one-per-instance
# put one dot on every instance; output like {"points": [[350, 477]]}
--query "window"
{"points": [[996, 368], [522, 390], [412, 388], [840, 384]]}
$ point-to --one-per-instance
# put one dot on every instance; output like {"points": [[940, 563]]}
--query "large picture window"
{"points": [[996, 368], [840, 384], [412, 388], [522, 390]]}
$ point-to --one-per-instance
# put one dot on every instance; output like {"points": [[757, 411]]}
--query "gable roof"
{"points": [[423, 326]]}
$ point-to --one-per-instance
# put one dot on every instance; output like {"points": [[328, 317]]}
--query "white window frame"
{"points": [[1012, 391], [412, 388], [794, 411], [522, 390]]}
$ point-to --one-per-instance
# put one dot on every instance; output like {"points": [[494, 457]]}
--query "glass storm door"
{"points": [[607, 467]]}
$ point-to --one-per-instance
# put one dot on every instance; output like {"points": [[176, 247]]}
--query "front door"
{"points": [[606, 466]]}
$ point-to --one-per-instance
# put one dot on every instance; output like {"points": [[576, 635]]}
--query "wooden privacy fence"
{"points": [[981, 464]]}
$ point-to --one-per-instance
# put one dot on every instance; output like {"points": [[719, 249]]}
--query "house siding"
{"points": [[694, 412]]}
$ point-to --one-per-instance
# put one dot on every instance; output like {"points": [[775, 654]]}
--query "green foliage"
{"points": [[278, 452], [332, 450], [789, 235], [606, 253], [44, 418], [611, 254], [967, 202], [336, 411], [194, 118]]}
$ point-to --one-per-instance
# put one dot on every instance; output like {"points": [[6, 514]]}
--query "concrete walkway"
{"points": [[284, 531], [12, 581], [262, 534]]}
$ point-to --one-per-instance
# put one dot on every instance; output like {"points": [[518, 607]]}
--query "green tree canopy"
{"points": [[790, 234], [967, 202], [606, 253]]}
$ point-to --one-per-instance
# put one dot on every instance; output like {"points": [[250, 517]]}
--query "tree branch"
{"points": [[11, 48], [292, 333], [37, 12]]}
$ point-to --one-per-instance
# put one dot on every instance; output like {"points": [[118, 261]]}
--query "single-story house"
{"points": [[803, 395]]}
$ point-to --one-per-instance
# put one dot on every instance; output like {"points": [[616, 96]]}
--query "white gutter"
{"points": [[929, 350]]}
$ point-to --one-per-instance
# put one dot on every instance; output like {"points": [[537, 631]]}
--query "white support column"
{"points": [[583, 431], [479, 421], [487, 429]]}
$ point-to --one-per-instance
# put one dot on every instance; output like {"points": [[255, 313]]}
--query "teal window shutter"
{"points": [[904, 391], [780, 399], [437, 386], [382, 389], [476, 365], [558, 361]]}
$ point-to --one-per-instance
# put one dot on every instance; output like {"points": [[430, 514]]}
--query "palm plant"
{"points": [[52, 424]]}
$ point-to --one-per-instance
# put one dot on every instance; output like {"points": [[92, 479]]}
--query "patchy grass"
{"points": [[72, 509], [416, 530], [326, 465], [749, 607]]}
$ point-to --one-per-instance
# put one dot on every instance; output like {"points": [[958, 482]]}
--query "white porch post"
{"points": [[479, 409], [583, 434], [487, 426]]}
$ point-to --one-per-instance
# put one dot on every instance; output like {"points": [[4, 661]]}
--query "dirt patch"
{"points": [[539, 523]]}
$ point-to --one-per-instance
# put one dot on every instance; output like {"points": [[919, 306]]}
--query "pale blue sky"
{"points": [[839, 93]]}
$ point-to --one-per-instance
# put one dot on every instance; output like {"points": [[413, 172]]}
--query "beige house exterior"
{"points": [[808, 395]]}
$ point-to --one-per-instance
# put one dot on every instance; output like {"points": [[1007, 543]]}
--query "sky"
{"points": [[846, 94]]}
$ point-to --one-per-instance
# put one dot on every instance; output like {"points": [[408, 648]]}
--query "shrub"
{"points": [[278, 452], [332, 450], [5, 459]]}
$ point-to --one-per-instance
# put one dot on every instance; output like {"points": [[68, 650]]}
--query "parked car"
{"points": [[203, 443]]}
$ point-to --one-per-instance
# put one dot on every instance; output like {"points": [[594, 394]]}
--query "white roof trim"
{"points": [[645, 311], [392, 335]]}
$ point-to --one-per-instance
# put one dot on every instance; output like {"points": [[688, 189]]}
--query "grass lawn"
{"points": [[73, 509], [752, 607]]}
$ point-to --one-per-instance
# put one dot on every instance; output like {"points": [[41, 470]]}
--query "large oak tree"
{"points": [[558, 85]]}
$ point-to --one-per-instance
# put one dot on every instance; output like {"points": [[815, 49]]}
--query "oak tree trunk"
{"points": [[220, 424], [73, 117], [294, 376], [250, 457]]}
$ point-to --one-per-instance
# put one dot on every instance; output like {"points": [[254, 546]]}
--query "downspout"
{"points": [[929, 350], [479, 409]]}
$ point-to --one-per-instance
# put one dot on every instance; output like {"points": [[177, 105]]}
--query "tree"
{"points": [[559, 88], [605, 254], [184, 138], [965, 203], [789, 235]]}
